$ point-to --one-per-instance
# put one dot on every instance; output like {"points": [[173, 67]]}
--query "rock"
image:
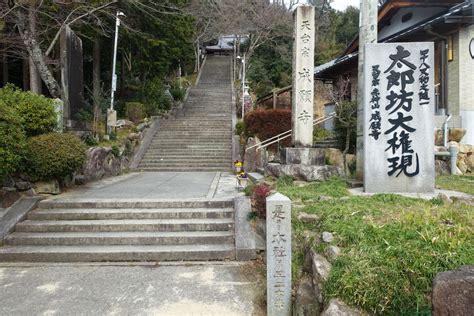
{"points": [[308, 218], [442, 168], [123, 123], [351, 161], [440, 149], [337, 307], [80, 180], [332, 252], [463, 200], [30, 192], [306, 303], [300, 184], [453, 292], [303, 172], [133, 136], [461, 164], [7, 198], [252, 157], [8, 182], [325, 198], [439, 139], [470, 163], [141, 127], [443, 197], [66, 182], [321, 267], [47, 187], [23, 185], [327, 237], [456, 134], [334, 157], [100, 163], [466, 148]]}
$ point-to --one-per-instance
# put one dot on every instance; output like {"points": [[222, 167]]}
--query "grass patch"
{"points": [[392, 246], [456, 183]]}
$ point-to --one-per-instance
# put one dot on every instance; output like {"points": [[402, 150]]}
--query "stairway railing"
{"points": [[284, 135]]}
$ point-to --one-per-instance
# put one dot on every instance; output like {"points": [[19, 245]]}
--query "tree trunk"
{"points": [[346, 149], [4, 69], [35, 79], [26, 75], [96, 82]]}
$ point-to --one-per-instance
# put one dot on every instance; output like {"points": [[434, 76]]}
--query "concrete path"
{"points": [[198, 289], [149, 186]]}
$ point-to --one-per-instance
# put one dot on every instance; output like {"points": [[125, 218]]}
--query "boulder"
{"points": [[308, 218], [321, 268], [48, 187], [133, 136], [443, 197], [306, 303], [80, 180], [439, 139], [442, 168], [252, 157], [466, 148], [461, 164], [337, 307], [332, 252], [351, 161], [141, 127], [453, 292], [23, 185], [327, 237], [303, 172], [456, 134], [333, 157], [470, 163]]}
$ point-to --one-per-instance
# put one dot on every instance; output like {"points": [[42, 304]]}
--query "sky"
{"points": [[342, 4]]}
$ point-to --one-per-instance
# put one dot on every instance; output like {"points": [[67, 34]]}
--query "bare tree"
{"points": [[346, 110]]}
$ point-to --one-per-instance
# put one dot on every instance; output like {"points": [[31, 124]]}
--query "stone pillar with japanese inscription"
{"points": [[399, 118], [303, 77], [278, 255]]}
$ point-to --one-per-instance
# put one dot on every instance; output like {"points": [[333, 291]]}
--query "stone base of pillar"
{"points": [[303, 156]]}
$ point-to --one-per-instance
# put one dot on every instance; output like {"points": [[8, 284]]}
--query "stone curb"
{"points": [[16, 213], [147, 140], [245, 247]]}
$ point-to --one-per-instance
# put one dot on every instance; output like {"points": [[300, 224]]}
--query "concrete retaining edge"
{"points": [[245, 246], [16, 213]]}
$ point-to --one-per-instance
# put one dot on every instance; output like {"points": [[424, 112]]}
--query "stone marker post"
{"points": [[278, 255], [303, 77], [368, 33], [399, 117], [72, 85]]}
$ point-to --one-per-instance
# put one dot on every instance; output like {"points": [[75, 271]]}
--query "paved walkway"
{"points": [[198, 289], [158, 186]]}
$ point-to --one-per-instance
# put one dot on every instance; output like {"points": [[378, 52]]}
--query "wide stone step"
{"points": [[145, 225], [104, 214], [117, 204], [121, 238], [184, 160], [117, 253], [185, 140], [187, 166], [184, 168]]}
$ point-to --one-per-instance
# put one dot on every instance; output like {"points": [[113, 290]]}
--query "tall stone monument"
{"points": [[303, 77], [278, 255], [72, 79], [399, 118]]}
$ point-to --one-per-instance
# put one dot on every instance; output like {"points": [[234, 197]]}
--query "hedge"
{"points": [[266, 124], [12, 140]]}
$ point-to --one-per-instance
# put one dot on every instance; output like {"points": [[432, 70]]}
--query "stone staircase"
{"points": [[124, 231], [201, 139]]}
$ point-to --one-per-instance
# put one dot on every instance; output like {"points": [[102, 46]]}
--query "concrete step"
{"points": [[190, 140], [162, 204], [181, 169], [184, 157], [120, 238], [187, 166], [104, 214], [186, 160], [117, 253], [127, 225]]}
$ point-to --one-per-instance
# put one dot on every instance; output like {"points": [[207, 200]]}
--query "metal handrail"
{"points": [[287, 134]]}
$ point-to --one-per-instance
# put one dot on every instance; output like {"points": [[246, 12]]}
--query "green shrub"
{"points": [[135, 111], [12, 140], [177, 92], [155, 99], [53, 156], [239, 128], [36, 112]]}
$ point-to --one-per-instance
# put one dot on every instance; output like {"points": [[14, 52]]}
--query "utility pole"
{"points": [[368, 33]]}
